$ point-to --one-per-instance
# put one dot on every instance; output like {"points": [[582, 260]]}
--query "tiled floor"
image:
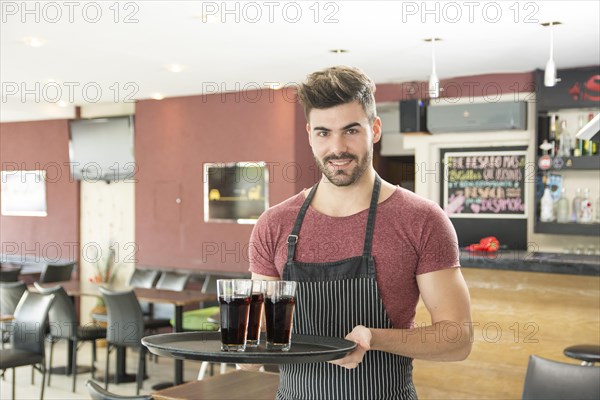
{"points": [[61, 385]]}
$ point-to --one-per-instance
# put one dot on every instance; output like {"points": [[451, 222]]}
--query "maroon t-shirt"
{"points": [[412, 236]]}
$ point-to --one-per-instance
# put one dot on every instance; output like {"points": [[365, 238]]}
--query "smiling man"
{"points": [[362, 251]]}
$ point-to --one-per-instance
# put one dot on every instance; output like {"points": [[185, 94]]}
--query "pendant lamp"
{"points": [[550, 78]]}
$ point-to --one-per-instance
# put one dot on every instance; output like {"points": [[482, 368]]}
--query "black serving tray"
{"points": [[206, 346]]}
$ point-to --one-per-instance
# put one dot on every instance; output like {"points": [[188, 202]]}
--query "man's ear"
{"points": [[308, 132], [376, 130]]}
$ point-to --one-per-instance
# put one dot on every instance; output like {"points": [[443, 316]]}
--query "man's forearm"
{"points": [[441, 341]]}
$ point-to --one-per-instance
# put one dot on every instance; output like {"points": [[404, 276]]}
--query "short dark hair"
{"points": [[335, 86]]}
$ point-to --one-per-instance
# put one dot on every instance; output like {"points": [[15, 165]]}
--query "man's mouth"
{"points": [[340, 163]]}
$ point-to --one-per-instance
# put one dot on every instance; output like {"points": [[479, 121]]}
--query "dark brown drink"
{"points": [[254, 319], [279, 321], [234, 322]]}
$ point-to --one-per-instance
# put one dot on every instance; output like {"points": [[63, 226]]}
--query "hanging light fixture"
{"points": [[550, 78], [434, 81]]}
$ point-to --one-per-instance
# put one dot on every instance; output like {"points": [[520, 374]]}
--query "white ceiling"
{"points": [[383, 38]]}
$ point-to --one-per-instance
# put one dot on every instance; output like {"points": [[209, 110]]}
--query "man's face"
{"points": [[342, 141]]}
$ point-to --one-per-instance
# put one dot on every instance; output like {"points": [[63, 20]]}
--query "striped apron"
{"points": [[332, 298]]}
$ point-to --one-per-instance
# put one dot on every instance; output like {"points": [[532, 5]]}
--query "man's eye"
{"points": [[322, 133], [351, 131]]}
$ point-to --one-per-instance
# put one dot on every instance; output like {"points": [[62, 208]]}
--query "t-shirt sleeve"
{"points": [[439, 243], [261, 249]]}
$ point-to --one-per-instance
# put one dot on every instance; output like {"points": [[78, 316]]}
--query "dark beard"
{"points": [[343, 178]]}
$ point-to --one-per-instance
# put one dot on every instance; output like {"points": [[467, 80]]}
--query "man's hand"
{"points": [[362, 336]]}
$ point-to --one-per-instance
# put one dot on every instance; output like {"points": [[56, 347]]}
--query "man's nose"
{"points": [[338, 144]]}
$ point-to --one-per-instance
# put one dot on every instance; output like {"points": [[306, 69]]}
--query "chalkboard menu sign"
{"points": [[485, 184]]}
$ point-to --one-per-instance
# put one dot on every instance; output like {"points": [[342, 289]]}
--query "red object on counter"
{"points": [[488, 244]]}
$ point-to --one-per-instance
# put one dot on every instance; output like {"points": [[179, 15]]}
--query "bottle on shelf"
{"points": [[575, 208], [547, 206], [590, 147], [578, 148], [562, 208], [564, 140], [585, 214], [552, 137]]}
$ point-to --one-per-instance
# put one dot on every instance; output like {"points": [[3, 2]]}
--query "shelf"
{"points": [[567, 229], [577, 163]]}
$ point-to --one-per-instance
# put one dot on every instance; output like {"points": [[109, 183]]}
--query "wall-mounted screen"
{"points": [[102, 149], [23, 193], [235, 192]]}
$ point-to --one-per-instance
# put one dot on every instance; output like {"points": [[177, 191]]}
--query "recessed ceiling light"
{"points": [[63, 104], [552, 23], [34, 42], [174, 67], [339, 51], [157, 96]]}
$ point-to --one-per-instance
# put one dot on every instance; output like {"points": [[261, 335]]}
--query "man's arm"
{"points": [[448, 338]]}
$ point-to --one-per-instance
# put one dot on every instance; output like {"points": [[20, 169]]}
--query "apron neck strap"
{"points": [[371, 218], [293, 237]]}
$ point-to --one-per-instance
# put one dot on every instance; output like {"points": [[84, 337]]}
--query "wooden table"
{"points": [[235, 385], [179, 299]]}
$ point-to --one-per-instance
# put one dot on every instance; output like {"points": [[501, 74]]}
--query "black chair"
{"points": [[125, 328], [10, 272], [97, 393], [64, 325], [588, 354], [144, 278], [548, 380], [10, 295], [163, 313], [27, 339], [57, 273]]}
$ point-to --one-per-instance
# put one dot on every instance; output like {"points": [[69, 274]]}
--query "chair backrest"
{"points": [[98, 393], [29, 325], [169, 281], [62, 317], [125, 320], [10, 295], [57, 273], [9, 272], [547, 379], [143, 278]]}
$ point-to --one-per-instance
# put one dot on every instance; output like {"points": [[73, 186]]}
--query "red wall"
{"points": [[33, 146], [175, 137]]}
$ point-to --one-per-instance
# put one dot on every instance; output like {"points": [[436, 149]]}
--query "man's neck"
{"points": [[342, 201]]}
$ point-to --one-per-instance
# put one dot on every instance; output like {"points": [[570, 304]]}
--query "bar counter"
{"points": [[528, 261], [515, 313]]}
